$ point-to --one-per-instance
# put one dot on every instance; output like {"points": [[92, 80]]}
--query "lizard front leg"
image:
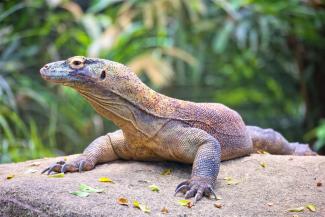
{"points": [[204, 172], [99, 151], [192, 145]]}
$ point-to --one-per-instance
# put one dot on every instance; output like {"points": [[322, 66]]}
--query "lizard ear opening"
{"points": [[103, 74]]}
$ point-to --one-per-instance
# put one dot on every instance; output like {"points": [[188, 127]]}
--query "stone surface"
{"points": [[286, 182]]}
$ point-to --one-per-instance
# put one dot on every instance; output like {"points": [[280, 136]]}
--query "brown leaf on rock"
{"points": [[218, 205], [190, 204], [164, 210], [10, 176], [123, 201]]}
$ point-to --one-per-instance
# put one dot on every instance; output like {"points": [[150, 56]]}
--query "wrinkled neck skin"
{"points": [[122, 112], [109, 105]]}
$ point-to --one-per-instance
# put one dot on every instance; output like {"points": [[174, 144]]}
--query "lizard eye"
{"points": [[76, 62]]}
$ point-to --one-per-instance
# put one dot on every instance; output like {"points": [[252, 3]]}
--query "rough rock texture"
{"points": [[286, 182]]}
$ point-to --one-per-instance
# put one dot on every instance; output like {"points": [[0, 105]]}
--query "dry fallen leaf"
{"points": [[263, 164], [297, 209], [136, 204], [144, 208], [86, 188], [167, 171], [154, 188], [164, 210], [123, 201], [311, 207], [105, 179], [231, 181], [218, 198], [80, 193], [262, 152], [10, 176], [30, 170], [218, 205], [56, 175], [34, 164], [184, 202]]}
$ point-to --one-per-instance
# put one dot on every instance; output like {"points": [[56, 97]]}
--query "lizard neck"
{"points": [[134, 91], [110, 106], [124, 114]]}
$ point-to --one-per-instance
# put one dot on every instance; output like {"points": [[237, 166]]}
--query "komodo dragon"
{"points": [[155, 127]]}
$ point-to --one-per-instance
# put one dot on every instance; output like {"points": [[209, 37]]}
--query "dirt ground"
{"points": [[283, 183]]}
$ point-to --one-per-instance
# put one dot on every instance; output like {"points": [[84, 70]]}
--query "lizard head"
{"points": [[84, 73], [98, 79]]}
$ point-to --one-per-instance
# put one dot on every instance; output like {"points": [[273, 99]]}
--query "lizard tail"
{"points": [[273, 142]]}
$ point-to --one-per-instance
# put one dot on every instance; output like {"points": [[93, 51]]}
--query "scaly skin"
{"points": [[156, 127]]}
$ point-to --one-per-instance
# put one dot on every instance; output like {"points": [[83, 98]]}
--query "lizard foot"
{"points": [[80, 164], [303, 150], [196, 187]]}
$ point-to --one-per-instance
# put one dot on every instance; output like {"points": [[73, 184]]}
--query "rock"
{"points": [[285, 182]]}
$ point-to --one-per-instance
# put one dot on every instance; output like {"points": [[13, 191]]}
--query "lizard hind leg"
{"points": [[273, 142]]}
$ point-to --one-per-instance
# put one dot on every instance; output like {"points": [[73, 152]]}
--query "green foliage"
{"points": [[320, 134], [235, 52]]}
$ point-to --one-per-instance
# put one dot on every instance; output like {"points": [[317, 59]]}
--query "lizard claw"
{"points": [[54, 167], [213, 193], [196, 187], [181, 188], [64, 168], [80, 164], [180, 184]]}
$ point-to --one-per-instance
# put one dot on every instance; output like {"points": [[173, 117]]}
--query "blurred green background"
{"points": [[264, 59]]}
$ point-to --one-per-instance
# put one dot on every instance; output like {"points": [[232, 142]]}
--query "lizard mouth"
{"points": [[54, 76], [46, 75], [67, 77]]}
